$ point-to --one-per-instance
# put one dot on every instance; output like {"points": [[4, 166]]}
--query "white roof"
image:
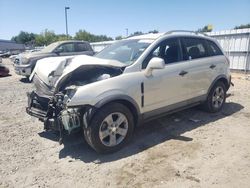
{"points": [[147, 36]]}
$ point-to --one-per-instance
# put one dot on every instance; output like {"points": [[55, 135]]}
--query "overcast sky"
{"points": [[112, 17]]}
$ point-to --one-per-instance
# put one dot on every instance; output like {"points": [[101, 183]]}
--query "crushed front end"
{"points": [[51, 108], [49, 103]]}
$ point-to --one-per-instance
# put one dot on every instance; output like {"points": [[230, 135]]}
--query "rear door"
{"points": [[200, 69]]}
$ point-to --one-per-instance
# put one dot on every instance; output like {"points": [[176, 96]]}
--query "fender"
{"points": [[90, 110], [216, 79], [118, 97]]}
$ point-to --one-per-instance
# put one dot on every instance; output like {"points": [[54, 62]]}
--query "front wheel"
{"points": [[110, 128], [216, 98]]}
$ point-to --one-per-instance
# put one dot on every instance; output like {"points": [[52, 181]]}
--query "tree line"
{"points": [[47, 36]]}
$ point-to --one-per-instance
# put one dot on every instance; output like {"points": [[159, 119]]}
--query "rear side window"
{"points": [[81, 47], [194, 48], [213, 49]]}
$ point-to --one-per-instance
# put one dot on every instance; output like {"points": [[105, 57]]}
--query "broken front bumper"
{"points": [[40, 108], [50, 112], [35, 108]]}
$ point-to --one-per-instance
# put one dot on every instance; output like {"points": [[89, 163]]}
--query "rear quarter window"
{"points": [[213, 49]]}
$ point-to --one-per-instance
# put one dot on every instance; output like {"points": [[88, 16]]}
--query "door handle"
{"points": [[182, 73], [212, 66]]}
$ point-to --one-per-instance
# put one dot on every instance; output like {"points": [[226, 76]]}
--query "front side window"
{"points": [[69, 47], [126, 51], [194, 48], [168, 50]]}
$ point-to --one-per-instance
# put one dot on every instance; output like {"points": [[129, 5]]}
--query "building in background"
{"points": [[11, 47], [236, 44]]}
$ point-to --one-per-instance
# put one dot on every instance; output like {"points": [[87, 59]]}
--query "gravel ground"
{"points": [[190, 148]]}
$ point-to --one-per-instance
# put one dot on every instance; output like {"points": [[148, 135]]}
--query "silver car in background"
{"points": [[25, 62]]}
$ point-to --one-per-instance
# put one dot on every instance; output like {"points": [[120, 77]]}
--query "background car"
{"points": [[25, 62], [4, 71], [5, 54]]}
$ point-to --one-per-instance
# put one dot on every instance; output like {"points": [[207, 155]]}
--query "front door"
{"points": [[167, 88], [66, 49]]}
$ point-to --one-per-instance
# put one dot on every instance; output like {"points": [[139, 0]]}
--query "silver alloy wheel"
{"points": [[113, 129], [218, 97]]}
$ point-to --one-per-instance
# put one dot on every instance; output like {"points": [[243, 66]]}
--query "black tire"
{"points": [[92, 133], [210, 105]]}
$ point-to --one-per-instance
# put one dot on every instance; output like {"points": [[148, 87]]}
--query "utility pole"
{"points": [[126, 32], [66, 20]]}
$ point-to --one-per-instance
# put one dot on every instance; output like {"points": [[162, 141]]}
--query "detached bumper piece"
{"points": [[36, 113], [39, 107], [35, 108], [52, 112]]}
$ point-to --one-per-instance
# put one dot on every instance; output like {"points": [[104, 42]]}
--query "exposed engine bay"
{"points": [[49, 103]]}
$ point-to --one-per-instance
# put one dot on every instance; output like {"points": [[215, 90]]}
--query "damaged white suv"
{"points": [[132, 81]]}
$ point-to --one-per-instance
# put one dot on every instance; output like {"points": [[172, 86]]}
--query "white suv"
{"points": [[132, 81]]}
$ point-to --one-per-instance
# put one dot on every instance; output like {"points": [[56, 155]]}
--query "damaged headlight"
{"points": [[25, 60], [70, 92]]}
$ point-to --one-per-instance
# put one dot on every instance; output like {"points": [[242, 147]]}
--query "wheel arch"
{"points": [[221, 78], [126, 101]]}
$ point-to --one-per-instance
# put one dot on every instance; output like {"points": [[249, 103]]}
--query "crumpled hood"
{"points": [[46, 66], [58, 65]]}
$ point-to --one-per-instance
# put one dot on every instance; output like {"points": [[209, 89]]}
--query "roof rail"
{"points": [[185, 31]]}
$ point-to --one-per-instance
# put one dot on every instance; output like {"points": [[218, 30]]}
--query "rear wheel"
{"points": [[216, 98], [110, 128]]}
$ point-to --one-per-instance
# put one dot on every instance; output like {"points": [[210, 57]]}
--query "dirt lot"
{"points": [[174, 151]]}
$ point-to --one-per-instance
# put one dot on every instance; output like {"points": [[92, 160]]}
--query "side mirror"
{"points": [[154, 63]]}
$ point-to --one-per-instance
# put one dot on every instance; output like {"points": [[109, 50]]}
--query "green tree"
{"points": [[136, 33], [154, 31], [24, 38], [62, 37], [45, 38], [206, 28], [242, 26], [118, 37], [86, 36]]}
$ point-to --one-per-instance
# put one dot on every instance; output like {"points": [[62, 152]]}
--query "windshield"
{"points": [[50, 47], [126, 51]]}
